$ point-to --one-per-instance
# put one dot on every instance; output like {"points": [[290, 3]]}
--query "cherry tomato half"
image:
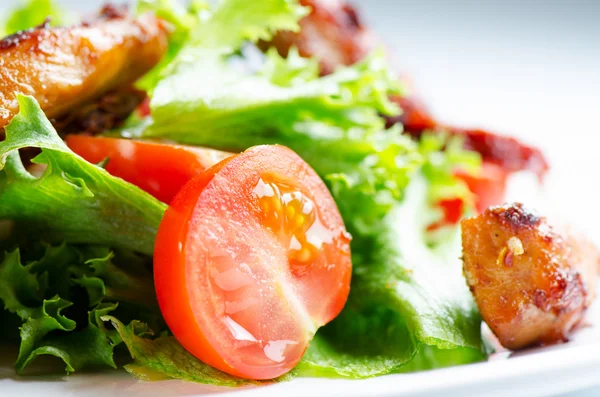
{"points": [[158, 168], [251, 258]]}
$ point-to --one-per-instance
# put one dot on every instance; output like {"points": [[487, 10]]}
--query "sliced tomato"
{"points": [[488, 187], [251, 258], [158, 168]]}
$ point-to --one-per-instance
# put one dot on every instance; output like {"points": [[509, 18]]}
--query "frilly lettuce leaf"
{"points": [[202, 91], [90, 347], [291, 70], [73, 200], [442, 155], [60, 313], [333, 122], [46, 329], [231, 22], [165, 358]]}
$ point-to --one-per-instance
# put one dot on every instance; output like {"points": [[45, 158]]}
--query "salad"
{"points": [[247, 192]]}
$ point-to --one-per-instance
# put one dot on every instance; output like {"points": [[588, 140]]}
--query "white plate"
{"points": [[526, 68]]}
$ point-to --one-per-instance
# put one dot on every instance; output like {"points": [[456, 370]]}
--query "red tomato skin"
{"points": [[176, 276], [169, 263], [157, 168]]}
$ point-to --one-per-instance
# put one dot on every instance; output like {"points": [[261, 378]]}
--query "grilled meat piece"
{"points": [[531, 283], [65, 68]]}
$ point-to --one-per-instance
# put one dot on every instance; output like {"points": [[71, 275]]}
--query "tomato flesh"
{"points": [[157, 168], [251, 258]]}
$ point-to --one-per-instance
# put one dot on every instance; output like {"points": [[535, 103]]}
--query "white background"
{"points": [[526, 68]]}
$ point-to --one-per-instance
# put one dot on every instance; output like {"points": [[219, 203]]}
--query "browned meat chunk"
{"points": [[64, 68], [532, 285]]}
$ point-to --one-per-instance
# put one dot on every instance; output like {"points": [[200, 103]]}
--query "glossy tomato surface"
{"points": [[251, 258], [160, 169]]}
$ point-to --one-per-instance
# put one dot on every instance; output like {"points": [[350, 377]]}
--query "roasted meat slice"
{"points": [[64, 68], [531, 283]]}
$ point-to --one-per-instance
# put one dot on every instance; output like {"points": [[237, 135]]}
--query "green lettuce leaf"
{"points": [[165, 358], [91, 347], [231, 22], [359, 344], [73, 200], [60, 294], [442, 155], [199, 88], [202, 91], [291, 70], [46, 330], [32, 13], [409, 304]]}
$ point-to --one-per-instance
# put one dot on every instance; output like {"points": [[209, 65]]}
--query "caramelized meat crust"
{"points": [[64, 68], [532, 284]]}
